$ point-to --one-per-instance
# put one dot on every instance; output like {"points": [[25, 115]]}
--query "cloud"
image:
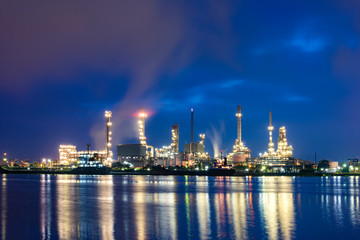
{"points": [[209, 93], [296, 98]]}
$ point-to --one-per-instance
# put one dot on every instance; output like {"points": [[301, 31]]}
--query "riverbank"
{"points": [[166, 172]]}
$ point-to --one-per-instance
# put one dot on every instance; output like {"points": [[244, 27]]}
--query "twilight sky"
{"points": [[63, 63]]}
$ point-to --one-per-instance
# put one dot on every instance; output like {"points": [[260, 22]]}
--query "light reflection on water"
{"points": [[175, 207], [3, 206]]}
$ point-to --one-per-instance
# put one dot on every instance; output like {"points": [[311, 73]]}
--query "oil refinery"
{"points": [[194, 155], [143, 155]]}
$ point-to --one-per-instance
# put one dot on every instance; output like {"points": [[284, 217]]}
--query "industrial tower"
{"points": [[142, 117], [240, 151], [192, 126], [238, 116], [271, 150], [175, 138], [194, 150], [202, 138], [283, 149], [109, 153]]}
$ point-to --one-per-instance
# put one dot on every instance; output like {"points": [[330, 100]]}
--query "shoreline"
{"points": [[214, 173]]}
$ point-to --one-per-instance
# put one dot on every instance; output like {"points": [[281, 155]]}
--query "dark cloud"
{"points": [[64, 59]]}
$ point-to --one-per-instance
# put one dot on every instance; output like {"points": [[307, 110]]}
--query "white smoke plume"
{"points": [[216, 136]]}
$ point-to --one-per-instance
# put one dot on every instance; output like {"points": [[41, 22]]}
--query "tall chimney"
{"points": [[192, 126], [108, 133], [271, 149], [239, 115]]}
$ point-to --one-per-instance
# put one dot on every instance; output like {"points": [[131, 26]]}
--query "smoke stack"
{"points": [[142, 116], [192, 126], [271, 149], [108, 133], [239, 115]]}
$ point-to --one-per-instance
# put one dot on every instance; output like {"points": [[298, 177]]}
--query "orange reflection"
{"points": [[106, 207], [140, 209], [45, 206], [278, 207], [67, 216], [203, 208], [239, 214], [3, 206]]}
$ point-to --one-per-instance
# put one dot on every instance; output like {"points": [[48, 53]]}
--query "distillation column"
{"points": [[108, 116], [271, 150], [283, 149], [192, 126], [239, 116], [141, 122], [175, 138]]}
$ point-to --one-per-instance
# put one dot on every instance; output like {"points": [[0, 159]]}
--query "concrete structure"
{"points": [[133, 154], [194, 148]]}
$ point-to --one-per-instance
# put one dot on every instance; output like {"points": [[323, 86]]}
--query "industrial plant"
{"points": [[194, 156], [142, 154]]}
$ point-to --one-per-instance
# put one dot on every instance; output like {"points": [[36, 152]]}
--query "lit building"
{"points": [[68, 155]]}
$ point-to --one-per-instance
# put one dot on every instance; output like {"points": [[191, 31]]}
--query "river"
{"points": [[178, 207]]}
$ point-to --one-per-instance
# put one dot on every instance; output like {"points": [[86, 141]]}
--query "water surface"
{"points": [[178, 207]]}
